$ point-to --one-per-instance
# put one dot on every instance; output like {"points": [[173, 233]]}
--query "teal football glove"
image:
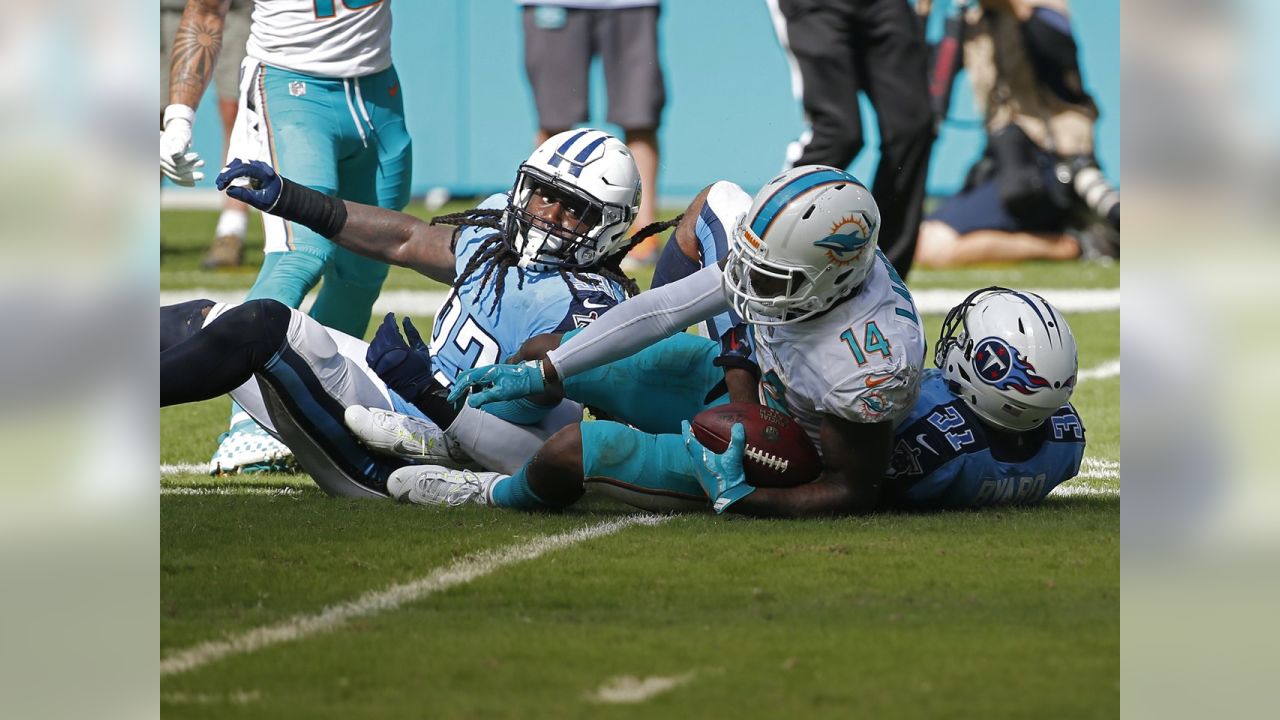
{"points": [[720, 474], [494, 383]]}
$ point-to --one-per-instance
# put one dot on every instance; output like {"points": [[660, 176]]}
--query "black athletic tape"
{"points": [[312, 208]]}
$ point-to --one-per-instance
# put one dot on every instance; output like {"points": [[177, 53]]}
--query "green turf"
{"points": [[1008, 613]]}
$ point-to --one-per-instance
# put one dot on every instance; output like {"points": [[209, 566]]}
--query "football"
{"points": [[779, 453]]}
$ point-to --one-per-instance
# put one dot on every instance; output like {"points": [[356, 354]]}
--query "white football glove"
{"points": [[177, 161]]}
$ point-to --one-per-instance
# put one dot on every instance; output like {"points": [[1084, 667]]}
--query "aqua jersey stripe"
{"points": [[789, 192]]}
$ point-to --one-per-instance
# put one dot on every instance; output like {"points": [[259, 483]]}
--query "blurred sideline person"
{"points": [[831, 335], [541, 258], [321, 101], [992, 425], [1036, 193], [837, 48], [560, 40], [227, 249]]}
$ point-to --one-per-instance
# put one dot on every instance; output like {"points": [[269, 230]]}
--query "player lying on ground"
{"points": [[837, 337], [542, 258], [992, 425]]}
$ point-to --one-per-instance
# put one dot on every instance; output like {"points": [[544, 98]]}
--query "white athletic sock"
{"points": [[232, 222], [493, 442]]}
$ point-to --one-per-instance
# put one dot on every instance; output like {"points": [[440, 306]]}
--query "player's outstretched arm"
{"points": [[399, 239], [387, 235], [854, 458]]}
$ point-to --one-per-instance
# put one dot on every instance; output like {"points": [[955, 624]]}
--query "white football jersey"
{"points": [[861, 361], [326, 38]]}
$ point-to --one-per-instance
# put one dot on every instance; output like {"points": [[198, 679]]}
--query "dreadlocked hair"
{"points": [[493, 252], [611, 268], [496, 257]]}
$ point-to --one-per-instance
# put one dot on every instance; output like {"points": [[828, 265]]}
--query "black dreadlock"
{"points": [[492, 252], [495, 253], [611, 267]]}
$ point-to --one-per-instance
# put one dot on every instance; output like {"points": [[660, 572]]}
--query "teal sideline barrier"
{"points": [[729, 111]]}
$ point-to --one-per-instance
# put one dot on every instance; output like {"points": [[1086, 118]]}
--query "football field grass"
{"points": [[279, 602]]}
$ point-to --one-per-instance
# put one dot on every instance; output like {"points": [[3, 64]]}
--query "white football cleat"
{"points": [[247, 448], [403, 436], [436, 485]]}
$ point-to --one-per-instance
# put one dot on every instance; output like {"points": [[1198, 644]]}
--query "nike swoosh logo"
{"points": [[875, 381], [401, 447], [920, 440], [592, 305]]}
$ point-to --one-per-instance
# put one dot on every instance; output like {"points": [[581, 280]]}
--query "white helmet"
{"points": [[808, 241], [591, 173], [1009, 355]]}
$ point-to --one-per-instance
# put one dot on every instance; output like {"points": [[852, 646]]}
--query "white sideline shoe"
{"points": [[247, 448], [435, 485], [403, 436]]}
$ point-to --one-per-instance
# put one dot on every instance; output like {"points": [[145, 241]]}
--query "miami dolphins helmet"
{"points": [[592, 175], [808, 241], [1009, 355]]}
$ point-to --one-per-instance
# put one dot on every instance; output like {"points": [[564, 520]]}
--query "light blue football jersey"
{"points": [[471, 330], [943, 456]]}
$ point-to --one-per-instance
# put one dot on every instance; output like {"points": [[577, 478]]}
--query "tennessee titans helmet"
{"points": [[1009, 355], [592, 175]]}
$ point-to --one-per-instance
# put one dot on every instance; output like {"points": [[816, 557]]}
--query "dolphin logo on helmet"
{"points": [[849, 235], [807, 242]]}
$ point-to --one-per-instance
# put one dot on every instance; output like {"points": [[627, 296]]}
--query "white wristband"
{"points": [[178, 111]]}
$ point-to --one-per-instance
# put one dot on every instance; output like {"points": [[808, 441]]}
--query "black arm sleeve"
{"points": [[312, 208]]}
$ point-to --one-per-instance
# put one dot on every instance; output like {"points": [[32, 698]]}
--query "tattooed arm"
{"points": [[195, 50]]}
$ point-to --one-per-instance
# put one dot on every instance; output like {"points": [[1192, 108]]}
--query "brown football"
{"points": [[779, 453]]}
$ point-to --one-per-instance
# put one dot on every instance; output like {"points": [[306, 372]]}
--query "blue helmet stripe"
{"points": [[560, 151], [785, 194], [1034, 309], [581, 158]]}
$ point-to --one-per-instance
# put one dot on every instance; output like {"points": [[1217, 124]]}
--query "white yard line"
{"points": [[1108, 369], [184, 469], [237, 697], [1067, 300], [426, 302], [1069, 490], [631, 689], [231, 490], [1100, 469], [460, 572]]}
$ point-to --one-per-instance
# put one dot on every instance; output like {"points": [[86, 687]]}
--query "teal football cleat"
{"points": [[247, 448]]}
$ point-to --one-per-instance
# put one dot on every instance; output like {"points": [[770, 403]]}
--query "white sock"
{"points": [[232, 222], [493, 442]]}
